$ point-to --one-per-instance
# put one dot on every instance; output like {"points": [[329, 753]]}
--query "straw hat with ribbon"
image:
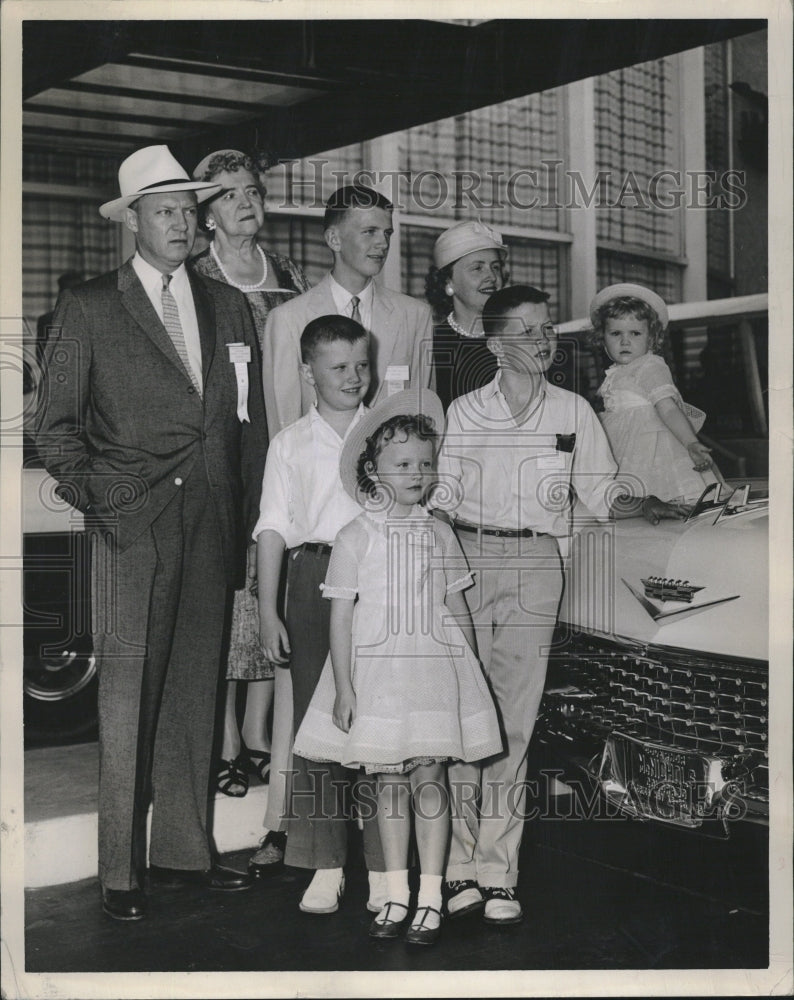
{"points": [[409, 402], [152, 170]]}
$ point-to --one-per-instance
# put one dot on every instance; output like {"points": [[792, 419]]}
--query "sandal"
{"points": [[258, 762], [229, 775]]}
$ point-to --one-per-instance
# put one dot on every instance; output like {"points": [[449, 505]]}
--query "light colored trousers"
{"points": [[514, 605]]}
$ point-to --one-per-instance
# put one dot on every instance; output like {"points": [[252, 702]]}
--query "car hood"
{"points": [[727, 559]]}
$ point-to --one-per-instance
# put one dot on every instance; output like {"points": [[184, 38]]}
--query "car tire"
{"points": [[60, 698]]}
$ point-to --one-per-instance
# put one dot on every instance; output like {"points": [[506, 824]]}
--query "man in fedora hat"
{"points": [[153, 424]]}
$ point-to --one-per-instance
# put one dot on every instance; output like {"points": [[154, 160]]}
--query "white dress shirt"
{"points": [[517, 476], [152, 281], [342, 300], [302, 495]]}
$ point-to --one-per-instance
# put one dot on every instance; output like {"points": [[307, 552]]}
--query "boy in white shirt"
{"points": [[516, 451], [303, 506]]}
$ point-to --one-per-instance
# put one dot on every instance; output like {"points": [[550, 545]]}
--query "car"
{"points": [[59, 668], [657, 693]]}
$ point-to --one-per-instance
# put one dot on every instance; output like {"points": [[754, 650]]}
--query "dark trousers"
{"points": [[159, 613], [320, 794]]}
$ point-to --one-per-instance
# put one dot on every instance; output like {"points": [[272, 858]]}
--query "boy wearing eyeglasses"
{"points": [[517, 453]]}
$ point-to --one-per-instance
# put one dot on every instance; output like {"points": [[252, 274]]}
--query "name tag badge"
{"points": [[396, 378], [239, 354], [555, 461], [240, 357]]}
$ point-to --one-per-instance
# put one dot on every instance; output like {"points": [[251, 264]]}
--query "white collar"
{"points": [[379, 516], [315, 415], [151, 277], [495, 387], [342, 296]]}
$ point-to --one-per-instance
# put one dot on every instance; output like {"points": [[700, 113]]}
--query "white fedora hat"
{"points": [[152, 170]]}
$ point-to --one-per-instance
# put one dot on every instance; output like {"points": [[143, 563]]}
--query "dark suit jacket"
{"points": [[121, 427]]}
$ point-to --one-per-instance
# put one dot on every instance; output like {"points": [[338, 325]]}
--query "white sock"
{"points": [[396, 892], [397, 887], [430, 895], [320, 873]]}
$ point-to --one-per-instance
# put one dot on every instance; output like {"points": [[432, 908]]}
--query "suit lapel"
{"points": [[205, 315], [383, 328], [322, 298], [138, 305]]}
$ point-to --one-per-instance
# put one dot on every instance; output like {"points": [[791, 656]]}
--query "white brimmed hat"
{"points": [[464, 238], [408, 402], [152, 170], [626, 290]]}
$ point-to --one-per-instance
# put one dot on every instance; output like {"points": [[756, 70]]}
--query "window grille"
{"points": [[636, 136]]}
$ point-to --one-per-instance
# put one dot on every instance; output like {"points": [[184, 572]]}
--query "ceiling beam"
{"points": [[385, 75], [64, 111], [493, 62]]}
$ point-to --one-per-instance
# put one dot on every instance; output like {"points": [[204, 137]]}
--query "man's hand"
{"points": [[654, 510], [344, 710], [274, 639]]}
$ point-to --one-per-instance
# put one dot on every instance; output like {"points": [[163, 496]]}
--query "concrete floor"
{"points": [[598, 894]]}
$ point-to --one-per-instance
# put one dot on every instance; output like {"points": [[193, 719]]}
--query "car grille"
{"points": [[716, 707]]}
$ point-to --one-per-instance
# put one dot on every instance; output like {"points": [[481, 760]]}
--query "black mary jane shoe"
{"points": [[388, 928], [231, 778], [217, 877], [417, 933], [124, 904]]}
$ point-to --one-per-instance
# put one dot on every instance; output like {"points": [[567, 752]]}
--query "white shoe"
{"points": [[501, 906], [324, 892], [377, 892]]}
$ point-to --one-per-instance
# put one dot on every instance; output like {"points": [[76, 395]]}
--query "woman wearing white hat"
{"points": [[233, 219], [468, 267]]}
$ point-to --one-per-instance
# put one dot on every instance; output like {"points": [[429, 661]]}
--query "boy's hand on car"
{"points": [[344, 710], [655, 510]]}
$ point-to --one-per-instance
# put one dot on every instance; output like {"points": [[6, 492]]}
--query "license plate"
{"points": [[660, 783]]}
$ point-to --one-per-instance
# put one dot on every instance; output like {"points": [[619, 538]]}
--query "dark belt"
{"points": [[500, 532], [320, 547]]}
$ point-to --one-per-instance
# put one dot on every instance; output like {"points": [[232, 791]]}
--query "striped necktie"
{"points": [[355, 313], [174, 327]]}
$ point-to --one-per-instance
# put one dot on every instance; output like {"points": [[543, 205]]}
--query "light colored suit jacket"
{"points": [[121, 426], [402, 334]]}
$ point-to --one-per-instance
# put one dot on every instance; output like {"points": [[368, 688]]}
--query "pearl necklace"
{"points": [[453, 323], [243, 288]]}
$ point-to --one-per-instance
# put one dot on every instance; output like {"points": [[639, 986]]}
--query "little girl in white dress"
{"points": [[651, 430], [402, 692]]}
